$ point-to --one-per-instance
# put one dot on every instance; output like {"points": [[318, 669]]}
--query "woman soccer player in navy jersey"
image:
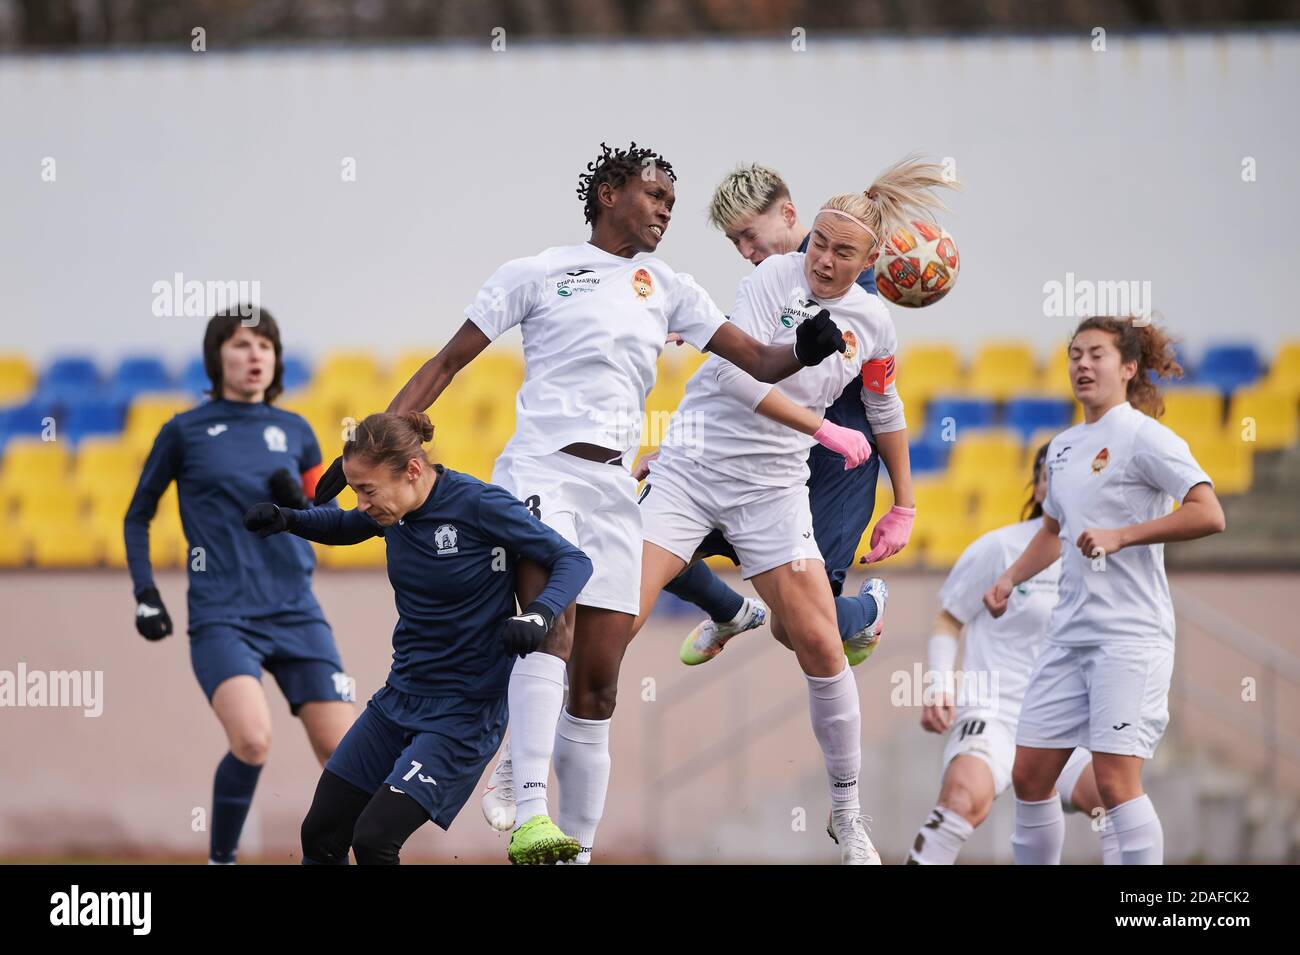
{"points": [[453, 541], [251, 604]]}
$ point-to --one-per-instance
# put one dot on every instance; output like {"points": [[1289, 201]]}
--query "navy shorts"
{"points": [[433, 749], [842, 503], [298, 649]]}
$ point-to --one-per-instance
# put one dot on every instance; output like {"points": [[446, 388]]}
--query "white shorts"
{"points": [[994, 742], [768, 527], [1111, 698], [592, 506]]}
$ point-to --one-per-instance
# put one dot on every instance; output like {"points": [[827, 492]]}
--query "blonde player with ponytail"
{"points": [[735, 458], [1102, 678]]}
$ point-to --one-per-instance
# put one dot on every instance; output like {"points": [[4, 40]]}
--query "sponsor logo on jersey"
{"points": [[798, 309], [580, 280], [1101, 460], [275, 439], [445, 538], [643, 283], [216, 429]]}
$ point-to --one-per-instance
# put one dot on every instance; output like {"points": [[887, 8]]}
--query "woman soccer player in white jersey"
{"points": [[723, 466], [979, 714], [594, 318], [1102, 678]]}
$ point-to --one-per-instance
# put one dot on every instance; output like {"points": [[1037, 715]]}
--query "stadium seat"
{"points": [[194, 379], [30, 460], [1228, 367], [979, 457], [139, 375], [297, 373], [945, 546], [949, 417], [1284, 372], [1031, 414], [1193, 413], [17, 378], [1001, 369], [148, 413], [84, 419], [1227, 460], [1055, 379], [938, 504], [14, 548], [928, 457], [69, 378], [63, 540], [928, 369], [30, 419], [1265, 415], [998, 505]]}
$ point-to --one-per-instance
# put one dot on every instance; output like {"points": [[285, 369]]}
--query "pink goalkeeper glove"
{"points": [[852, 444], [891, 533]]}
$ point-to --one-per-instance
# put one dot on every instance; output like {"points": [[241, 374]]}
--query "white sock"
{"points": [[1109, 841], [837, 724], [1040, 832], [536, 697], [582, 773], [940, 839], [1141, 838]]}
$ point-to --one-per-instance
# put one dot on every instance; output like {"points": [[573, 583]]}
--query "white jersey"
{"points": [[715, 424], [593, 325], [1126, 468], [1009, 645]]}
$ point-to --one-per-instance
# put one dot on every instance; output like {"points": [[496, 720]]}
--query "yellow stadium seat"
{"points": [[1264, 415], [1192, 413], [148, 413], [370, 553], [925, 370], [1055, 378], [105, 459], [944, 547], [65, 541], [106, 502], [39, 503], [15, 549], [29, 460], [981, 458], [999, 505], [939, 504], [17, 378], [1036, 441], [1002, 369], [1228, 461], [1284, 373]]}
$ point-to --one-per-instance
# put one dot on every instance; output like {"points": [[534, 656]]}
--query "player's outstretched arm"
{"points": [[1199, 515], [416, 395], [816, 339], [324, 525]]}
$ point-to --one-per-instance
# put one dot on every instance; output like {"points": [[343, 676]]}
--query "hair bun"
{"points": [[421, 425]]}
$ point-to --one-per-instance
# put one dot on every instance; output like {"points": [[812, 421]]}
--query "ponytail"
{"points": [[900, 193]]}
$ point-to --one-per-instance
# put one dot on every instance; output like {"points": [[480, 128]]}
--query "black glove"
{"points": [[817, 338], [286, 490], [151, 618], [523, 634], [266, 519], [331, 483]]}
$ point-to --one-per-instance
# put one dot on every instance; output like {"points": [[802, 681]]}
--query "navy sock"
{"points": [[699, 585], [232, 794], [853, 614]]}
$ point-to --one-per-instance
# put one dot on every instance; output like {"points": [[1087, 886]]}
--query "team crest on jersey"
{"points": [[345, 687], [1101, 460], [445, 538], [850, 354], [643, 283], [275, 439]]}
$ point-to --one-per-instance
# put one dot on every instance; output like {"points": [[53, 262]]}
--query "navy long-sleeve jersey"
{"points": [[848, 410], [222, 455], [451, 562]]}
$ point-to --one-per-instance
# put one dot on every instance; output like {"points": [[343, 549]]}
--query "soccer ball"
{"points": [[918, 265]]}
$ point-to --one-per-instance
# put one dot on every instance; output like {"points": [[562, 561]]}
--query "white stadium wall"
{"points": [[1114, 166]]}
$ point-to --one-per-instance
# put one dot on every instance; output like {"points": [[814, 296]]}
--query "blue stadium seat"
{"points": [[87, 418], [138, 375], [928, 457], [24, 420], [1027, 415], [194, 379], [67, 379], [965, 413], [1229, 366], [297, 374]]}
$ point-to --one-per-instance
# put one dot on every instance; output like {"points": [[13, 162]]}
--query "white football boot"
{"points": [[849, 832], [707, 640]]}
